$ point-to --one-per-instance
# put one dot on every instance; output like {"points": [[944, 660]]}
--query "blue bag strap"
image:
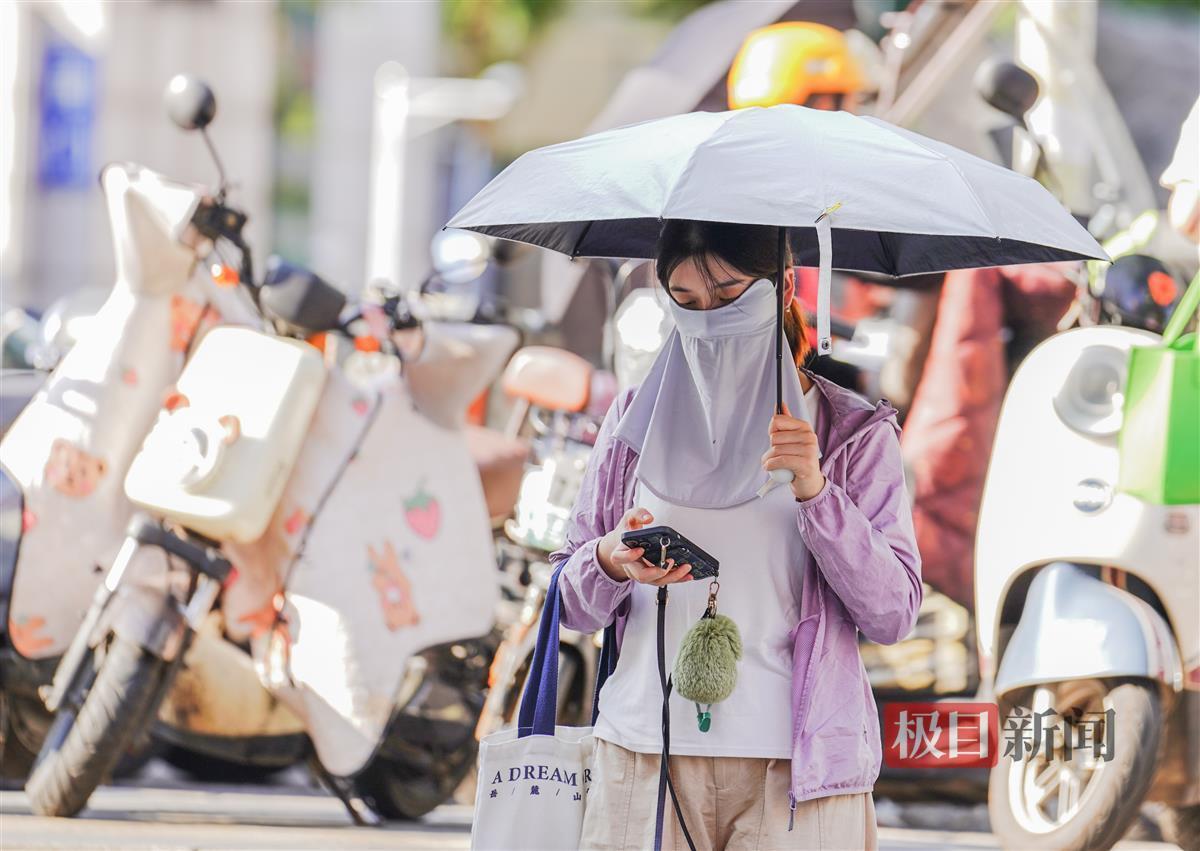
{"points": [[604, 669], [539, 703]]}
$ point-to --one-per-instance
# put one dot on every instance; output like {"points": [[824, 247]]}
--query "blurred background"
{"points": [[351, 131]]}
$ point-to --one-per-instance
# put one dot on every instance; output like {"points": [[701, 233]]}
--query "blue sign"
{"points": [[67, 108]]}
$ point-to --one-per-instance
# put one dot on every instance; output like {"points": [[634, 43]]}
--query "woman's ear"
{"points": [[789, 279]]}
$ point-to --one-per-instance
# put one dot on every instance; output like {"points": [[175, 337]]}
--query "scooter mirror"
{"points": [[460, 256], [190, 102], [1007, 87]]}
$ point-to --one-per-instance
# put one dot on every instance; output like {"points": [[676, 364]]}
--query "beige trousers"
{"points": [[729, 804]]}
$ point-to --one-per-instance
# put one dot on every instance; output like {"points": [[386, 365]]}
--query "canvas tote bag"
{"points": [[533, 780]]}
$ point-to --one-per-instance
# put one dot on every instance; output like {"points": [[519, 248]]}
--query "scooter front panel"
{"points": [[1051, 495], [69, 450], [398, 559]]}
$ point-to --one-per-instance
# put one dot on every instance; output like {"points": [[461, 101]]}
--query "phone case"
{"points": [[653, 538]]}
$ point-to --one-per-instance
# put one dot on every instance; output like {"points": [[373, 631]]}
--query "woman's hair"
{"points": [[751, 250]]}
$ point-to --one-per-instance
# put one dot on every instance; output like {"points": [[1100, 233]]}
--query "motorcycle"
{"points": [[297, 551], [71, 440], [560, 401], [1086, 603]]}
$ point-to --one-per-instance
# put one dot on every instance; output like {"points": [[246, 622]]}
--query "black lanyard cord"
{"points": [[665, 782]]}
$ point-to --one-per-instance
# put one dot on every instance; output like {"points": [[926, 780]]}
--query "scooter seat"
{"points": [[549, 378], [501, 463]]}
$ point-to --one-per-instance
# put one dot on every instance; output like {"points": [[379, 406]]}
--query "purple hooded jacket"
{"points": [[862, 573]]}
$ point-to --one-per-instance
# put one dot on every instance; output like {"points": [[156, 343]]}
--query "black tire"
{"points": [[1181, 825], [82, 748], [1113, 797], [402, 790], [429, 746], [205, 768]]}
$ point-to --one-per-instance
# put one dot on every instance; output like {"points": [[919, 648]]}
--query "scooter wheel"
{"points": [[1081, 804], [85, 744]]}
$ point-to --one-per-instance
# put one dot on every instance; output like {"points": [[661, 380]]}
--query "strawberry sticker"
{"points": [[129, 377], [423, 513], [361, 406]]}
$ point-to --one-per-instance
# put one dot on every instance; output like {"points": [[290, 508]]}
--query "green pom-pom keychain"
{"points": [[706, 667]]}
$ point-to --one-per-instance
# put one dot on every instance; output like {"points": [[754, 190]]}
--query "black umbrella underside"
{"points": [[892, 254]]}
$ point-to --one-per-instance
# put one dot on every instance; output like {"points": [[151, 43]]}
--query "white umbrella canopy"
{"points": [[909, 204]]}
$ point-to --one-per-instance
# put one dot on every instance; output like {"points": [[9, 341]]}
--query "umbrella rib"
{"points": [[691, 160], [582, 236], [970, 189]]}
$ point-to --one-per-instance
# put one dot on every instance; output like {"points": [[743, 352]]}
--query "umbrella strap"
{"points": [[824, 228]]}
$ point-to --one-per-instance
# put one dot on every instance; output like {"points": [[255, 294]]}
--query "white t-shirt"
{"points": [[759, 548]]}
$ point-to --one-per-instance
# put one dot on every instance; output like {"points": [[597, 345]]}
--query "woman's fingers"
{"points": [[624, 555], [677, 574], [636, 518], [804, 437], [800, 466], [792, 450], [649, 574], [786, 422]]}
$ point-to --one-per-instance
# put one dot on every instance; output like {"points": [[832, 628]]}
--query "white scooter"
{"points": [[1087, 603], [310, 568]]}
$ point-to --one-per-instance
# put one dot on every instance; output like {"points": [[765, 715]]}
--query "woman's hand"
{"points": [[622, 563], [794, 447]]}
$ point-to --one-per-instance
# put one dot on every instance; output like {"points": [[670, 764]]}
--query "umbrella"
{"points": [[845, 191]]}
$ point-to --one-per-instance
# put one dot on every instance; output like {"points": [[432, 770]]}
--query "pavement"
{"points": [[174, 816]]}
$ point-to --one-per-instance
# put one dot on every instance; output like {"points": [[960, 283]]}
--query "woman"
{"points": [[792, 755]]}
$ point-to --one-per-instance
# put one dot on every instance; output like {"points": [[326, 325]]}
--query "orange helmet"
{"points": [[790, 62]]}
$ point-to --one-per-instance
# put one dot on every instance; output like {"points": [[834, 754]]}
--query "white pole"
{"points": [[385, 221], [406, 108], [1055, 118]]}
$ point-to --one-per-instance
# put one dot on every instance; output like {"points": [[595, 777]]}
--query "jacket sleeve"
{"points": [[590, 597], [862, 538]]}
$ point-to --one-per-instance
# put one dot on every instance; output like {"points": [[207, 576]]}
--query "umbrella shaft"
{"points": [[780, 284]]}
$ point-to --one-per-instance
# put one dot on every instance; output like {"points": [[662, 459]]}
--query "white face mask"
{"points": [[699, 421]]}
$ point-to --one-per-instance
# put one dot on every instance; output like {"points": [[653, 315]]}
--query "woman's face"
{"points": [[691, 289]]}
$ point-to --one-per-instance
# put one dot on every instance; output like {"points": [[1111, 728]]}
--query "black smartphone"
{"points": [[662, 542]]}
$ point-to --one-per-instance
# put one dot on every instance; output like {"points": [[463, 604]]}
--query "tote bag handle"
{"points": [[539, 703], [1183, 314]]}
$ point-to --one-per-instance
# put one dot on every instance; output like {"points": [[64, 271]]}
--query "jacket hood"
{"points": [[847, 415]]}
